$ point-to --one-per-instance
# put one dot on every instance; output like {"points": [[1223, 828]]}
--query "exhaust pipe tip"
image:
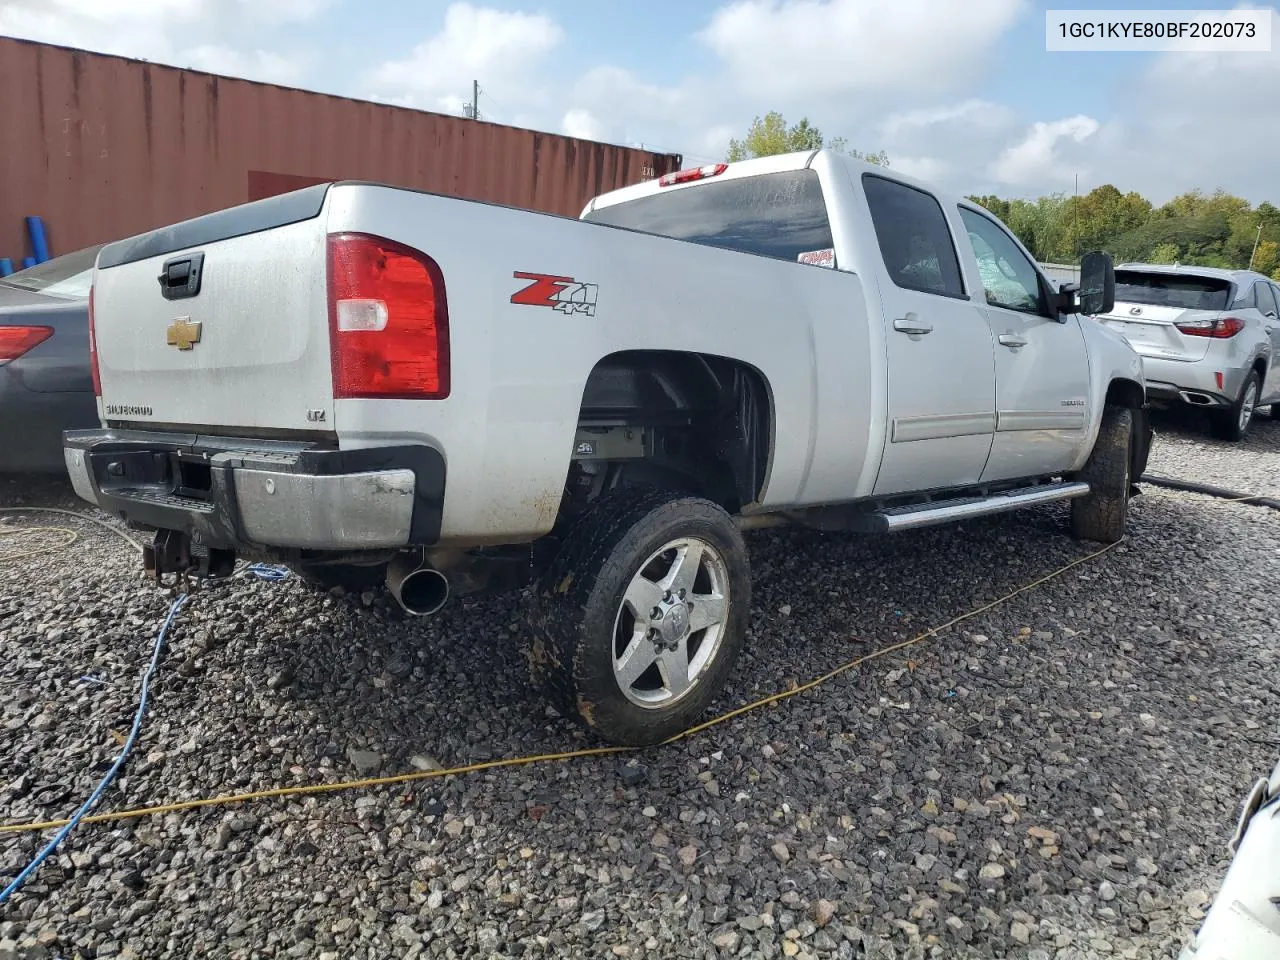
{"points": [[419, 589]]}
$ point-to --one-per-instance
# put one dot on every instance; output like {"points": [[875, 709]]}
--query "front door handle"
{"points": [[1012, 340], [912, 325]]}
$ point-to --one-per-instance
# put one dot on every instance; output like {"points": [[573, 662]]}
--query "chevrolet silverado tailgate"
{"points": [[221, 321]]}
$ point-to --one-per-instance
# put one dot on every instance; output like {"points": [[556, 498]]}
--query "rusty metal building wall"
{"points": [[104, 147]]}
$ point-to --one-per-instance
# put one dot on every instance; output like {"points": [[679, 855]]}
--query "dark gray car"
{"points": [[45, 381]]}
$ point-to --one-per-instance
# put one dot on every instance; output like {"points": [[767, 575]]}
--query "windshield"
{"points": [[69, 275], [1172, 290]]}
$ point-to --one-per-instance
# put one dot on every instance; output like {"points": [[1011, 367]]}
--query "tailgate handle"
{"points": [[180, 277]]}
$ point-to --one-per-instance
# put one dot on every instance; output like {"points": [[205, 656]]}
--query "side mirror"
{"points": [[1097, 284]]}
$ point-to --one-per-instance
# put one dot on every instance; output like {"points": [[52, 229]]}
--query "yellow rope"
{"points": [[114, 530], [314, 788], [70, 537]]}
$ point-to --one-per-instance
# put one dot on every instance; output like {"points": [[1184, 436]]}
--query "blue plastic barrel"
{"points": [[28, 262], [6, 266], [39, 245]]}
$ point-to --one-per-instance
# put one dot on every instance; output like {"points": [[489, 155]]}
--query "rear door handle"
{"points": [[912, 325], [1012, 340]]}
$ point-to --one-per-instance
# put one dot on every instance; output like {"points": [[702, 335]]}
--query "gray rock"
{"points": [[1040, 729], [367, 763]]}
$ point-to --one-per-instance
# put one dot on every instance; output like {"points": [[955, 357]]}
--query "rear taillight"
{"points": [[93, 351], [1223, 329], [15, 341], [696, 173], [388, 320]]}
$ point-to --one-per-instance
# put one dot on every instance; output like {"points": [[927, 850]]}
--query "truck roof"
{"points": [[762, 165]]}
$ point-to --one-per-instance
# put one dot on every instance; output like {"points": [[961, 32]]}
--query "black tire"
{"points": [[349, 576], [579, 609], [1227, 424], [1275, 411], [1101, 514]]}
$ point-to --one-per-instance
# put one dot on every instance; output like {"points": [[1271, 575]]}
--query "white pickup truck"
{"points": [[367, 382]]}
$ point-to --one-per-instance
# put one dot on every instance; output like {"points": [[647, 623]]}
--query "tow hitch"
{"points": [[174, 552]]}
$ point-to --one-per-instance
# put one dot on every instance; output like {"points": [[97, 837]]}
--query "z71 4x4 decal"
{"points": [[559, 293]]}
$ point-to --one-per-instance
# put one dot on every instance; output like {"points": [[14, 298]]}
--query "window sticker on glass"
{"points": [[820, 258]]}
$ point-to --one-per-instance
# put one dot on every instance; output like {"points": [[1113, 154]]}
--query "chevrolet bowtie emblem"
{"points": [[183, 333]]}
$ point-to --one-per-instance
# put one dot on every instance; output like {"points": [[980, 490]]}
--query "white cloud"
{"points": [[969, 113], [930, 169], [499, 48], [820, 48], [1041, 157], [1202, 120], [625, 109], [582, 124], [261, 65], [162, 31]]}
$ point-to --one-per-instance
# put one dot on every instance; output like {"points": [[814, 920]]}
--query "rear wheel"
{"points": [[1233, 423], [1102, 513], [640, 617]]}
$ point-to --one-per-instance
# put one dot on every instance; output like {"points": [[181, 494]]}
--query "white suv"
{"points": [[1208, 338]]}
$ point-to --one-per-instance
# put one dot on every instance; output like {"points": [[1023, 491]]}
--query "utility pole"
{"points": [[1254, 252], [1077, 184], [473, 108]]}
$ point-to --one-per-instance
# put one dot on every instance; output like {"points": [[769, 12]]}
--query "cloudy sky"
{"points": [[957, 92]]}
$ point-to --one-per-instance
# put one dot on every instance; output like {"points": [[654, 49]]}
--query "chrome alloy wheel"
{"points": [[670, 623], [1247, 404]]}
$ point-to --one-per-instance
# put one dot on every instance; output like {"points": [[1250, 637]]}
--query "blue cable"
{"points": [[267, 571], [94, 797]]}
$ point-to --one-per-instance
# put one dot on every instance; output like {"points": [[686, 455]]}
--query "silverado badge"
{"points": [[183, 333]]}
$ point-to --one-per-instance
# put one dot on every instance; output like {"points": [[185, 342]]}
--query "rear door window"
{"points": [[1247, 300], [779, 215], [1275, 299], [1266, 297], [914, 238]]}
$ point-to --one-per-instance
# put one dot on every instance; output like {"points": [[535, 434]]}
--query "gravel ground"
{"points": [[1055, 778]]}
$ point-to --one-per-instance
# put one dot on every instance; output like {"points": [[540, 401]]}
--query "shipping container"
{"points": [[103, 147]]}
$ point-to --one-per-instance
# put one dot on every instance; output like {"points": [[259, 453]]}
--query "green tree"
{"points": [[1163, 253], [1267, 259], [993, 203], [1090, 222], [769, 135], [1197, 239], [1034, 223]]}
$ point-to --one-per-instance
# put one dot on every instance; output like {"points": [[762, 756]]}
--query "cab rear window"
{"points": [[779, 215], [1172, 290]]}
